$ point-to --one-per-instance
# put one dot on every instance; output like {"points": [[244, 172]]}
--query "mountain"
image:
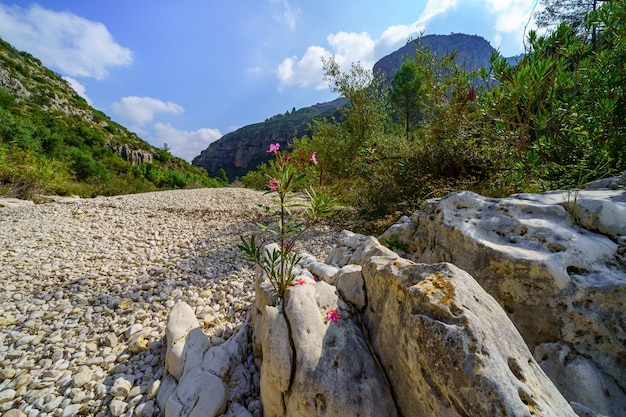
{"points": [[53, 141], [243, 150], [473, 52]]}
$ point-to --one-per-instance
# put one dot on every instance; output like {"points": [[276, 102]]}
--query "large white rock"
{"points": [[201, 378], [579, 378], [557, 281], [603, 211], [349, 282], [446, 345], [180, 322], [277, 355], [311, 366]]}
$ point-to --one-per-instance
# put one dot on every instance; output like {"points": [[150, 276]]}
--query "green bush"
{"points": [[6, 98], [25, 173], [85, 167]]}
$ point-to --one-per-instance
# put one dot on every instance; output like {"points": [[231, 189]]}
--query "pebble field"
{"points": [[86, 286]]}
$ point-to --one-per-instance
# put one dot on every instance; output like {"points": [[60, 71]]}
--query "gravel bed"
{"points": [[87, 284]]}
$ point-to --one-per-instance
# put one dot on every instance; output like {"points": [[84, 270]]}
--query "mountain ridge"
{"points": [[241, 151]]}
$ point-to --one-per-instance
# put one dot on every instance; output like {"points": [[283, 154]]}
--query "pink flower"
{"points": [[274, 147], [274, 183], [333, 316], [313, 158], [300, 280]]}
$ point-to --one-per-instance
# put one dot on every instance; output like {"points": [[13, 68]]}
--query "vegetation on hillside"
{"points": [[554, 120], [53, 142]]}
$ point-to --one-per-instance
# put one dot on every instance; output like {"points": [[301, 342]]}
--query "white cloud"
{"points": [[348, 48], [436, 7], [512, 21], [288, 15], [74, 45], [79, 88], [397, 34], [185, 144], [511, 15], [304, 71], [353, 47], [141, 110], [393, 35], [344, 46]]}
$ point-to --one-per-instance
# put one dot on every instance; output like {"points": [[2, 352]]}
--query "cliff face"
{"points": [[242, 150]]}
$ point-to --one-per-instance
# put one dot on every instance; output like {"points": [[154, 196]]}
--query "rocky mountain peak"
{"points": [[243, 150]]}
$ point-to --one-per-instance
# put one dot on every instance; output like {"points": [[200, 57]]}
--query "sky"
{"points": [[186, 73]]}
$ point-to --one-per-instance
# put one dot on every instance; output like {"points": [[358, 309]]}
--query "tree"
{"points": [[405, 94], [572, 12], [364, 117], [365, 112]]}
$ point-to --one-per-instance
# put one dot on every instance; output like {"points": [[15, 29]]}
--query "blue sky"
{"points": [[185, 73]]}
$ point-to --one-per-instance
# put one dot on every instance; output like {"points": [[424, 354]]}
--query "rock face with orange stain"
{"points": [[555, 263], [449, 348]]}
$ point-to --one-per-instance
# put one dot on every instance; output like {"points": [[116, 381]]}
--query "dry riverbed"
{"points": [[87, 284]]}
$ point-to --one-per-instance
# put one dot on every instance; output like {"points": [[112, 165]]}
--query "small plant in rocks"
{"points": [[287, 176]]}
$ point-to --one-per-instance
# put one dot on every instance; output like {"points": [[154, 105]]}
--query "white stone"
{"points": [[580, 380], [81, 379], [153, 389], [437, 332], [180, 321], [350, 284], [557, 281], [121, 387], [133, 329], [145, 409], [7, 395], [71, 410], [117, 407]]}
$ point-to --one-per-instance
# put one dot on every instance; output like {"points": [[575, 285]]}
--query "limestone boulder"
{"points": [[181, 321], [351, 286], [448, 347], [577, 377], [598, 210], [201, 379], [312, 365], [557, 281], [427, 341]]}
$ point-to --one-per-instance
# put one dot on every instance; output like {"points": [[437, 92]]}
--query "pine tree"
{"points": [[572, 12], [406, 95]]}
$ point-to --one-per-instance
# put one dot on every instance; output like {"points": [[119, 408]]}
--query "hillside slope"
{"points": [[52, 141]]}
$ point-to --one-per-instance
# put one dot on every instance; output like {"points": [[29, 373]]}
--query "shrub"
{"points": [[85, 167]]}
